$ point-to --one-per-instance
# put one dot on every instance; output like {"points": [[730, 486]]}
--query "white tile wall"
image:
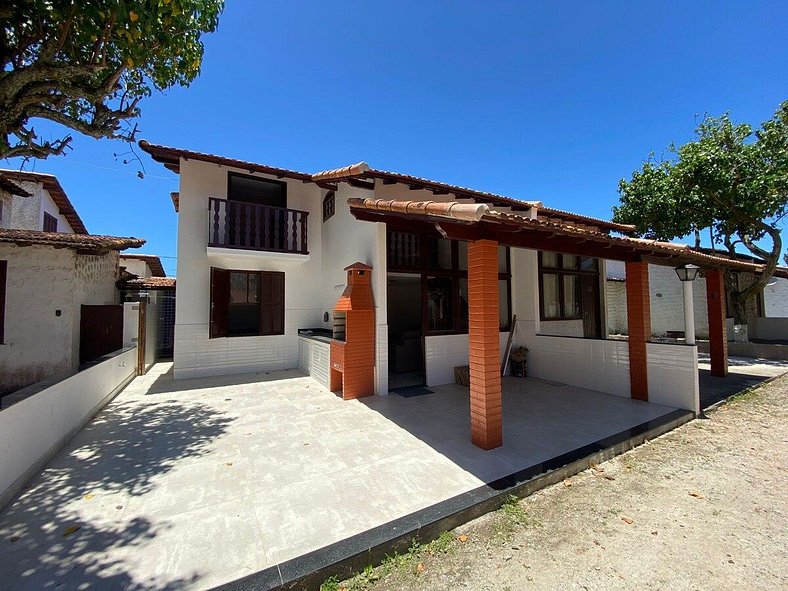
{"points": [[444, 353], [601, 365], [196, 355], [673, 375], [382, 365]]}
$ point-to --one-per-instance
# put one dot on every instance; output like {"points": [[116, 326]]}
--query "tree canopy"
{"points": [[731, 181], [86, 64]]}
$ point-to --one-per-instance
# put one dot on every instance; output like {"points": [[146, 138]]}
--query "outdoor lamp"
{"points": [[687, 272]]}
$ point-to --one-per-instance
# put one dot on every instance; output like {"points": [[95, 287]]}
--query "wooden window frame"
{"points": [[424, 269], [49, 220], [329, 205], [561, 272], [272, 306]]}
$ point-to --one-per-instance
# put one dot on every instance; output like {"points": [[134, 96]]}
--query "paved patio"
{"points": [[194, 483], [743, 373]]}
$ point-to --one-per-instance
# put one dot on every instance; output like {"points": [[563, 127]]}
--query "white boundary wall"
{"points": [[33, 430]]}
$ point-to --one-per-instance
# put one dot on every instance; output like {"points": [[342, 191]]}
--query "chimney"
{"points": [[353, 346]]}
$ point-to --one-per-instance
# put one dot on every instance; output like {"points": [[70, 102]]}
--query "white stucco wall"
{"points": [[32, 430], [136, 266], [195, 353], [775, 297], [27, 213], [667, 302], [41, 282]]}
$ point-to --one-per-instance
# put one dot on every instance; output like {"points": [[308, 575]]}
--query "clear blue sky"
{"points": [[555, 101]]}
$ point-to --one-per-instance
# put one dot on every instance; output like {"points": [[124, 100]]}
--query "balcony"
{"points": [[247, 226]]}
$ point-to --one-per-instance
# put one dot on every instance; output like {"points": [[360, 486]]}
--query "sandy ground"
{"points": [[703, 507]]}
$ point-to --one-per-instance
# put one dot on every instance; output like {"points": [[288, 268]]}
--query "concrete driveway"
{"points": [[193, 483], [743, 373]]}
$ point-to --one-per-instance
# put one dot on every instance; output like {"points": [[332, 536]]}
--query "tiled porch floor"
{"points": [[192, 483]]}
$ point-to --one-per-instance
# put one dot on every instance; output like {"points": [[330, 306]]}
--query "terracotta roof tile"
{"points": [[73, 241], [646, 247], [338, 173], [170, 157], [52, 185], [148, 283]]}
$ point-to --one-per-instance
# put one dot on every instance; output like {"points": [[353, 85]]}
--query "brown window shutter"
{"points": [[272, 303], [220, 302]]}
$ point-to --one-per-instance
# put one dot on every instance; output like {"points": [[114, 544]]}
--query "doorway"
{"points": [[406, 338], [592, 326]]}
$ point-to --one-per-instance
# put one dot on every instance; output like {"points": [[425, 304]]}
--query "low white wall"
{"points": [[673, 375], [444, 353], [34, 429], [603, 365], [775, 298], [769, 329], [596, 364]]}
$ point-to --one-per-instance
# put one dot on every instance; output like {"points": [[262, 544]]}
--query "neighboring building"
{"points": [[46, 276], [371, 280], [667, 303], [143, 279]]}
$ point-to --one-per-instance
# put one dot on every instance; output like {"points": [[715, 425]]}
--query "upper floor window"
{"points": [[50, 223], [253, 189], [329, 205]]}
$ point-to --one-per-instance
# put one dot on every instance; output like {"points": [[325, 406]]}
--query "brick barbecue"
{"points": [[353, 345]]}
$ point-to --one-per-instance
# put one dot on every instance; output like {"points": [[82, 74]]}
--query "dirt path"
{"points": [[703, 507]]}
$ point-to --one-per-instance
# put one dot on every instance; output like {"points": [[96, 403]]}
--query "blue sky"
{"points": [[553, 101]]}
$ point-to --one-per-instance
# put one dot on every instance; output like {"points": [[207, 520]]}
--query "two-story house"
{"points": [[371, 280], [51, 268]]}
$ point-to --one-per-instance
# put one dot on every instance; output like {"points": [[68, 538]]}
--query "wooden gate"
{"points": [[141, 338], [100, 331]]}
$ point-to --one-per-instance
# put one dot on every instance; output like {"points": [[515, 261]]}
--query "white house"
{"points": [[50, 267], [371, 280]]}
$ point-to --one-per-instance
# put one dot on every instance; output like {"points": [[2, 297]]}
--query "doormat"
{"points": [[411, 391]]}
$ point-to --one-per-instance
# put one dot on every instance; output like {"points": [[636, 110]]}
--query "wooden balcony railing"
{"points": [[235, 224]]}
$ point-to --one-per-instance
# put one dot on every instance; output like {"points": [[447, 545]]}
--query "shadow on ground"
{"points": [[59, 534]]}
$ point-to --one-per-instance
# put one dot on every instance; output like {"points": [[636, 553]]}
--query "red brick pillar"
{"points": [[484, 344], [639, 327], [718, 339]]}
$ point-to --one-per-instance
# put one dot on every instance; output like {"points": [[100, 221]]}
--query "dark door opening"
{"points": [[406, 338], [589, 286]]}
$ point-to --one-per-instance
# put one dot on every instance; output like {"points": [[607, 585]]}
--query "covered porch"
{"points": [[635, 368]]}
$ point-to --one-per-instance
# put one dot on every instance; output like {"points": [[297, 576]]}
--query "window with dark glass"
{"points": [[50, 223], [255, 189], [561, 284], [246, 303], [443, 267], [329, 204]]}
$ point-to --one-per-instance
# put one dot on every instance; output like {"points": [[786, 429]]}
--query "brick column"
{"points": [[718, 339], [639, 327], [484, 344]]}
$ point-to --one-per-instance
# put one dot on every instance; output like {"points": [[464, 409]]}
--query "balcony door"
{"points": [[266, 193]]}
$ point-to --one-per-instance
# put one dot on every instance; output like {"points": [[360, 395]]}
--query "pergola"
{"points": [[485, 228]]}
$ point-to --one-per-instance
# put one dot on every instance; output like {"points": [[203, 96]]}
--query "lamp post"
{"points": [[687, 274]]}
